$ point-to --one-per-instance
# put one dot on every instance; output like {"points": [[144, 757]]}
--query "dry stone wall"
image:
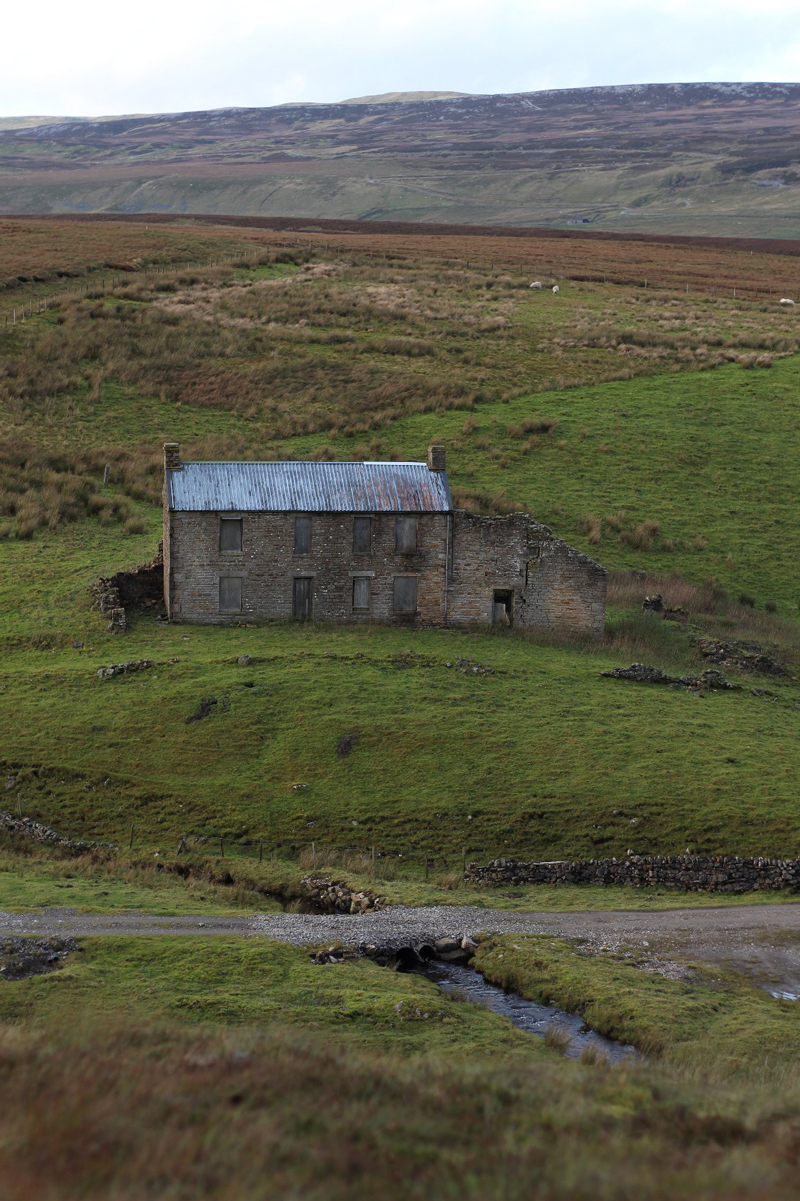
{"points": [[689, 873]]}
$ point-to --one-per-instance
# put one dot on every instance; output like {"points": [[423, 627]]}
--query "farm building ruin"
{"points": [[361, 542]]}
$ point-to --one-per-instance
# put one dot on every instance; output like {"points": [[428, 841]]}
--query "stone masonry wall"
{"points": [[690, 873], [268, 564], [554, 586]]}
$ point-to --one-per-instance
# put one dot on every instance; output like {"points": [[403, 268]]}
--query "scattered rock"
{"points": [[747, 656], [23, 957], [124, 669], [244, 660], [655, 604], [642, 673]]}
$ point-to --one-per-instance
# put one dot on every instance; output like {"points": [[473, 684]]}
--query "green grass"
{"points": [[718, 1022], [108, 886], [230, 981], [437, 767]]}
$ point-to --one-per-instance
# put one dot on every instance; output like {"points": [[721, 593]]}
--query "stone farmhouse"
{"points": [[359, 543]]}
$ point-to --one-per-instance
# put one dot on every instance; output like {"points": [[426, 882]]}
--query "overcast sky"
{"points": [[93, 57]]}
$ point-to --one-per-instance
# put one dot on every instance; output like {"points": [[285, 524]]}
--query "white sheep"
{"points": [[786, 300], [556, 289], [537, 284]]}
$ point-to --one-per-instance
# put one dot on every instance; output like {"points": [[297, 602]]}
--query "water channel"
{"points": [[527, 1015]]}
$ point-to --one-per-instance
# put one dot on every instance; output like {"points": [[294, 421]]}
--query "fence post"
{"points": [[130, 840], [426, 869], [221, 849], [373, 860], [260, 849], [464, 863]]}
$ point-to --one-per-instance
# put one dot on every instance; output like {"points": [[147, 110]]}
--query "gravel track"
{"points": [[762, 941]]}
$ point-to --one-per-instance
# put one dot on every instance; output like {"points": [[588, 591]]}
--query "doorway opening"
{"points": [[301, 598], [503, 607]]}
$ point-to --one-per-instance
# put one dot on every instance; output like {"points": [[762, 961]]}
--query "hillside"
{"points": [[680, 158], [655, 428]]}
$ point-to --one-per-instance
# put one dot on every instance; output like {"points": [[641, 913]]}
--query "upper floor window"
{"points": [[230, 533], [405, 535], [362, 535], [302, 535]]}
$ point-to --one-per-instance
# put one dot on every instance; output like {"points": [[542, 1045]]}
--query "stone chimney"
{"points": [[436, 458], [172, 457]]}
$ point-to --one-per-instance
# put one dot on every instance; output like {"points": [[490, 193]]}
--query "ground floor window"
{"points": [[404, 596], [360, 594], [230, 594]]}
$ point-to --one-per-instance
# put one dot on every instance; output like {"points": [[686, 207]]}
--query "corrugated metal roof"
{"points": [[309, 488]]}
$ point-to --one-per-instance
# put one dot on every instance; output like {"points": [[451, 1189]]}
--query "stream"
{"points": [[527, 1015]]}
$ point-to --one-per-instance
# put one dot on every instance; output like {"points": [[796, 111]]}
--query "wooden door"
{"points": [[301, 600]]}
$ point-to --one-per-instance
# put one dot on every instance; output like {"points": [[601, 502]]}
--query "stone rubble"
{"points": [[124, 669], [334, 896], [642, 673], [23, 957], [29, 828], [746, 656]]}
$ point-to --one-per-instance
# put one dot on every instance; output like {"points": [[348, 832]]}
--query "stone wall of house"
{"points": [[552, 585], [690, 873], [268, 565]]}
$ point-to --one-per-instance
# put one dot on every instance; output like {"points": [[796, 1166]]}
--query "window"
{"points": [[230, 533], [230, 594], [404, 599], [405, 535], [362, 535], [361, 593], [302, 535]]}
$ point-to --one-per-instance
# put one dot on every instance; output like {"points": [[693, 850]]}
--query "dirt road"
{"points": [[762, 941]]}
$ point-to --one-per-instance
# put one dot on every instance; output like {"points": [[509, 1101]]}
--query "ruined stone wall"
{"points": [[268, 565], [139, 590], [554, 587], [690, 873]]}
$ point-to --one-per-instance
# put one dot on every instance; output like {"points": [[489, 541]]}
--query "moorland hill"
{"points": [[693, 158]]}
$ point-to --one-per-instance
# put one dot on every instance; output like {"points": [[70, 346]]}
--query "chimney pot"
{"points": [[436, 458], [172, 457]]}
